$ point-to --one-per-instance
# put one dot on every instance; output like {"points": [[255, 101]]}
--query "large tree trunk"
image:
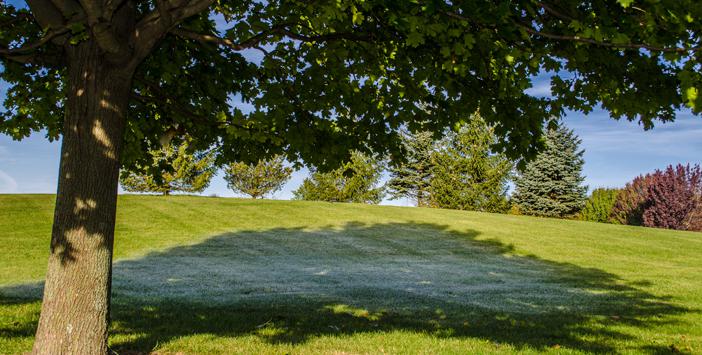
{"points": [[75, 311]]}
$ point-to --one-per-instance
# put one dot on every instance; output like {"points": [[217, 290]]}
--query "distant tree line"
{"points": [[670, 198], [459, 170]]}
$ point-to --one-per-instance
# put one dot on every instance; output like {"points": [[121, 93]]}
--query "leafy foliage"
{"points": [[257, 180], [340, 75], [355, 181], [411, 172], [673, 196], [670, 198], [173, 168], [551, 184], [467, 174], [632, 200], [599, 207]]}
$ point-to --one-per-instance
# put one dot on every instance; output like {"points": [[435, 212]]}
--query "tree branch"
{"points": [[33, 46], [252, 42], [532, 31], [153, 27], [608, 44], [46, 13], [554, 12], [163, 99]]}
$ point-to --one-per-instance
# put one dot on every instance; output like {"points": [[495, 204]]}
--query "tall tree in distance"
{"points": [[173, 169], [111, 77], [257, 180], [411, 173], [467, 174], [552, 184], [356, 181]]}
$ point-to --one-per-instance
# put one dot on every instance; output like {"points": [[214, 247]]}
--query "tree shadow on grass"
{"points": [[290, 285]]}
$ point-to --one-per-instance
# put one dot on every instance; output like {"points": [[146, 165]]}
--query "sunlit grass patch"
{"points": [[212, 275]]}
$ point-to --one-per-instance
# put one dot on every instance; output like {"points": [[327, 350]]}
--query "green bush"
{"points": [[598, 207]]}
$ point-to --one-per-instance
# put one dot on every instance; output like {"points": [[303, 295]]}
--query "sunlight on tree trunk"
{"points": [[75, 309]]}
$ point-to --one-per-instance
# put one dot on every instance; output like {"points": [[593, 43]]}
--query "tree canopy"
{"points": [[335, 75]]}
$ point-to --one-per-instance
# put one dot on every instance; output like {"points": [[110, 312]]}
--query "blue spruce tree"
{"points": [[551, 185]]}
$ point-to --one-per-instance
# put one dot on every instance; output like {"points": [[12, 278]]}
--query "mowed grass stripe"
{"points": [[217, 275]]}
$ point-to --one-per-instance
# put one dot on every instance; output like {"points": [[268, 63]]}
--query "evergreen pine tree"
{"points": [[467, 174], [356, 181], [410, 177], [173, 168], [551, 184]]}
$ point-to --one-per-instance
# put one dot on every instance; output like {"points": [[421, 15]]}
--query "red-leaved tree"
{"points": [[673, 196], [631, 201], [670, 198]]}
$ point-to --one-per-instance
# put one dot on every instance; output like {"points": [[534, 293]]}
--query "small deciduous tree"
{"points": [[356, 181], [259, 179], [631, 201], [670, 198], [551, 185], [600, 205], [673, 197], [173, 168], [467, 174], [411, 173]]}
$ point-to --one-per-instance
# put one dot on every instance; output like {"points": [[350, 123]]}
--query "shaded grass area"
{"points": [[277, 277]]}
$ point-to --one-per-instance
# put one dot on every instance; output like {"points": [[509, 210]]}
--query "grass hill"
{"points": [[215, 275]]}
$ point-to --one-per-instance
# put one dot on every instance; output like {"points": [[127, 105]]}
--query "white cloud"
{"points": [[540, 89], [7, 183]]}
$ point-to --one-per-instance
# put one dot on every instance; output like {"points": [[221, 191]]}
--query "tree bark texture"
{"points": [[75, 310]]}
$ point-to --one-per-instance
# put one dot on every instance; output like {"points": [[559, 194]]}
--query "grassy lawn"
{"points": [[214, 275]]}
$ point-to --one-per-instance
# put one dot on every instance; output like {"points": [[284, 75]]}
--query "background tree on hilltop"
{"points": [[466, 173], [173, 169], [670, 198], [356, 181], [411, 173], [552, 184], [112, 77], [600, 206], [257, 180]]}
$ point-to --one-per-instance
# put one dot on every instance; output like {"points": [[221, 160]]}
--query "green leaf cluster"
{"points": [[354, 72]]}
